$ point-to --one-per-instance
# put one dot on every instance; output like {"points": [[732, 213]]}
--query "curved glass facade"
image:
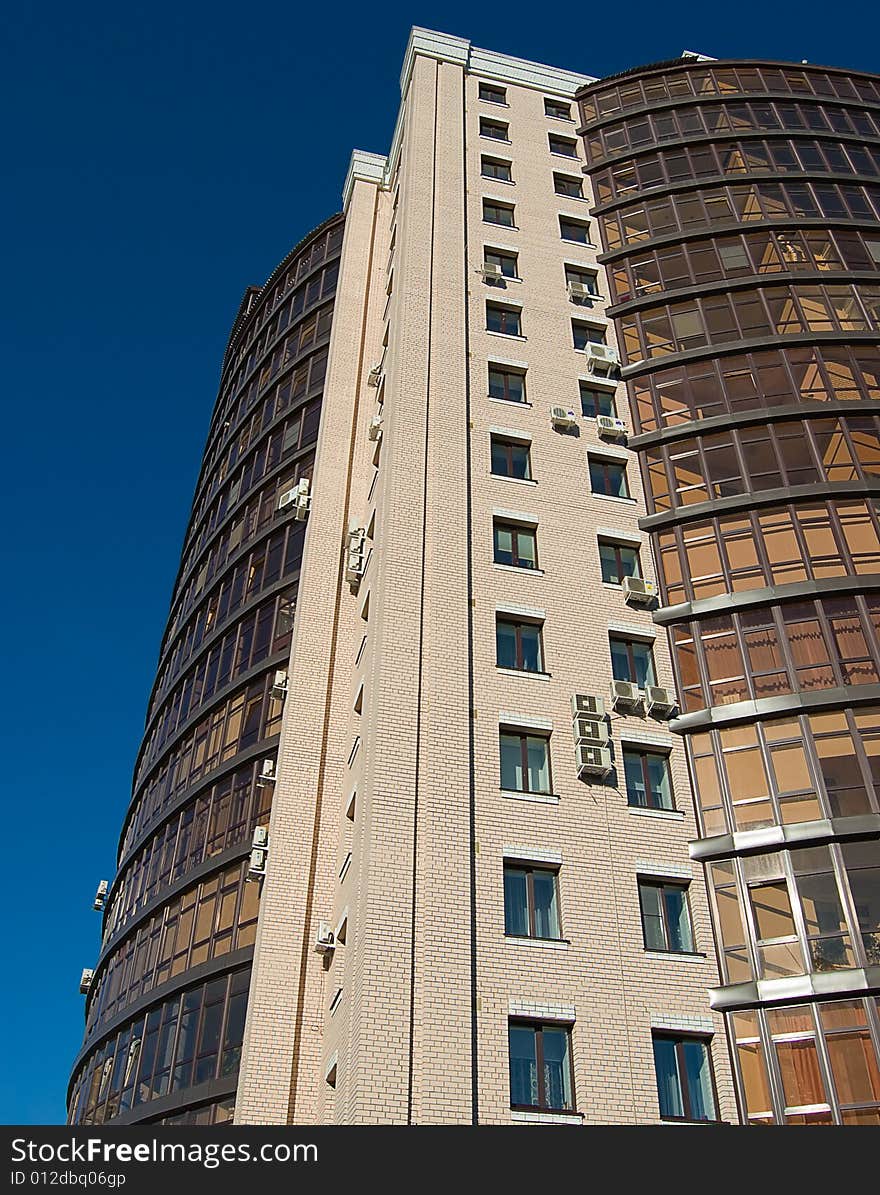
{"points": [[166, 1007], [739, 206]]}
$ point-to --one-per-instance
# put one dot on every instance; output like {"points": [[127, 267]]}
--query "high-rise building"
{"points": [[412, 836]]}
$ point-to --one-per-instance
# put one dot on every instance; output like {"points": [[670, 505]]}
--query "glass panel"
{"points": [[511, 763], [557, 1068], [523, 1066], [539, 765], [652, 917], [699, 1080], [516, 911], [531, 648], [677, 919], [505, 642], [546, 913], [668, 1085]]}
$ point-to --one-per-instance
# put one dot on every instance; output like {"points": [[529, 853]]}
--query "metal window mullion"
{"points": [[524, 760], [530, 900], [539, 1063], [847, 903], [797, 911]]}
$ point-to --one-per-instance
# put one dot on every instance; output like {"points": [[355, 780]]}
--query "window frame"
{"points": [[488, 121], [549, 102], [628, 643], [504, 256], [515, 529], [539, 1027], [512, 620], [605, 462], [507, 313], [560, 140], [643, 755], [618, 562], [490, 99], [681, 1070], [530, 868], [487, 159], [500, 206], [682, 886], [578, 193], [506, 372], [508, 444], [573, 222], [592, 389], [524, 735]]}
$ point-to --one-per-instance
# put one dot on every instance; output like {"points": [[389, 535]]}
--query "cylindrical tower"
{"points": [[166, 1005], [739, 206]]}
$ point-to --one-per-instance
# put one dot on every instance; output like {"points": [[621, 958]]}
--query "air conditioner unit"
{"points": [[355, 557], [587, 705], [325, 941], [298, 497], [638, 592], [267, 773], [85, 980], [610, 425], [590, 730], [625, 695], [593, 761], [601, 354], [101, 896], [260, 840], [374, 431], [580, 292], [562, 417], [257, 864], [279, 685], [658, 701], [374, 375], [491, 272]]}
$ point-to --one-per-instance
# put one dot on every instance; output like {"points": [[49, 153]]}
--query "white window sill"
{"points": [[534, 798], [546, 1117], [573, 158], [495, 224], [514, 480], [611, 498], [511, 402], [505, 335], [505, 182], [689, 956], [545, 943], [670, 815], [516, 568], [522, 672]]}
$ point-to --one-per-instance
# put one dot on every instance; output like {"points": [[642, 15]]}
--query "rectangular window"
{"points": [[632, 660], [618, 561], [495, 168], [493, 95], [540, 1067], [684, 1078], [530, 904], [515, 545], [595, 402], [506, 262], [666, 919], [648, 784], [507, 384], [494, 129], [498, 213], [518, 645], [584, 334], [510, 458], [574, 230], [506, 320], [608, 477], [566, 146], [557, 109], [567, 184], [525, 762]]}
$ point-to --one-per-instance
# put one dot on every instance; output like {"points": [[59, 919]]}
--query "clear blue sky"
{"points": [[157, 159]]}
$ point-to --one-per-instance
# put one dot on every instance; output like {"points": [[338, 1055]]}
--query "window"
{"points": [[684, 1078], [506, 262], [510, 458], [493, 95], [498, 213], [574, 230], [503, 319], [584, 334], [525, 762], [567, 184], [632, 660], [495, 129], [562, 145], [518, 645], [618, 561], [608, 477], [515, 545], [647, 780], [495, 168], [666, 919], [530, 904], [557, 109], [595, 402], [540, 1067], [582, 277], [507, 384]]}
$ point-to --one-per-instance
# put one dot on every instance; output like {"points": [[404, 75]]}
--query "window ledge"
{"points": [[516, 568], [611, 498], [545, 943], [576, 198], [584, 244], [671, 815], [496, 140], [556, 153], [522, 672], [546, 1117], [515, 480], [505, 335], [505, 182], [693, 956], [535, 798], [495, 224], [511, 402]]}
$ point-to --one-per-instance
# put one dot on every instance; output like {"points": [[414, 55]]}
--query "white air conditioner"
{"points": [[267, 773], [355, 561], [298, 498], [601, 354], [85, 980], [257, 864], [374, 431], [101, 896], [658, 701], [325, 940], [590, 730], [260, 840], [625, 695], [562, 417], [593, 761], [638, 592], [279, 685], [579, 292], [611, 426], [374, 375], [587, 705], [491, 272]]}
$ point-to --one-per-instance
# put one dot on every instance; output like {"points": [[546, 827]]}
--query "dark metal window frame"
{"points": [[518, 625], [539, 1027], [496, 206], [605, 465], [515, 530], [486, 160], [508, 446], [572, 187], [524, 736], [488, 93], [663, 885], [550, 104], [680, 1039], [504, 257], [618, 559], [631, 658], [557, 143], [507, 315], [515, 865], [568, 225], [652, 797], [505, 373], [486, 123]]}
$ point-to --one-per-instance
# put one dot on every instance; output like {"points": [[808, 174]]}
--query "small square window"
{"points": [[574, 230], [595, 402], [511, 458], [584, 334], [567, 184], [531, 905], [541, 1075], [515, 545], [666, 918], [506, 384], [583, 284], [557, 109], [506, 262], [495, 168], [608, 477], [506, 320], [648, 784], [518, 645], [525, 762], [496, 130], [632, 660], [498, 213], [492, 94], [618, 561], [566, 146], [685, 1087]]}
